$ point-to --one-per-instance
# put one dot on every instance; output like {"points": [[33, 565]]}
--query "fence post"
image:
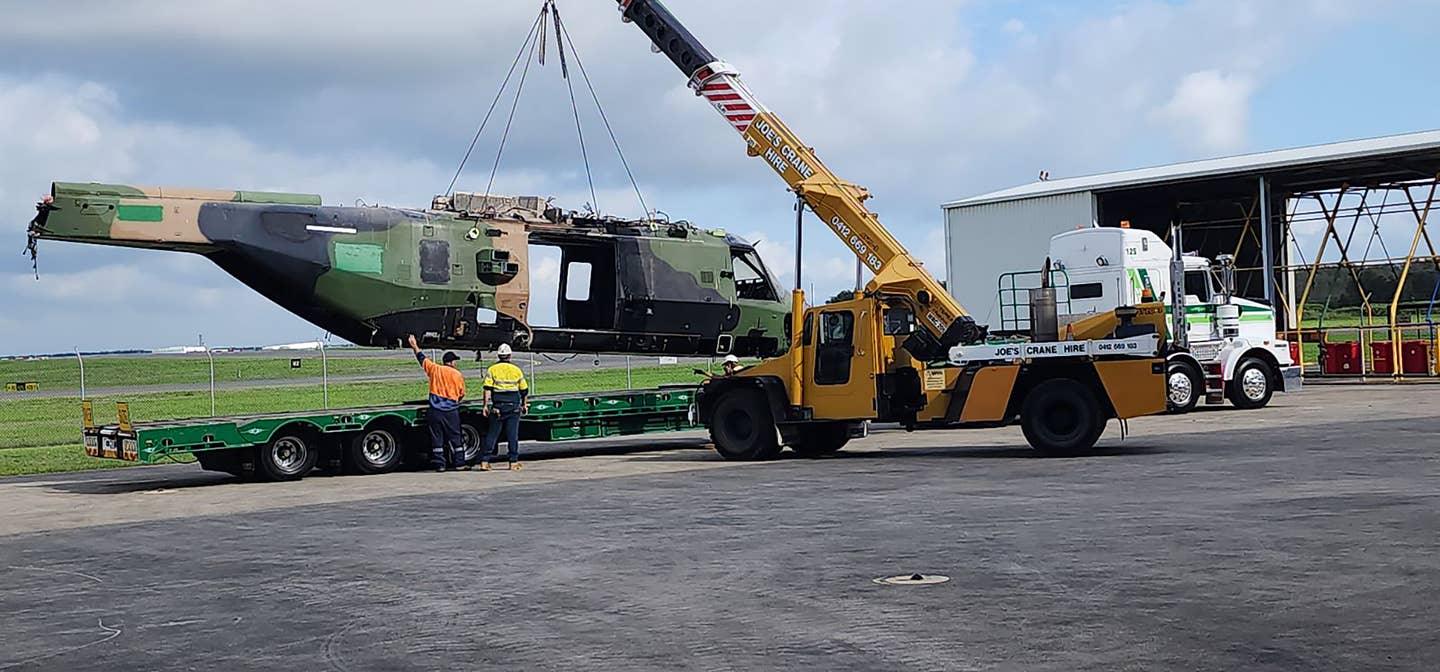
{"points": [[210, 356], [324, 374], [534, 382], [628, 386], [81, 359]]}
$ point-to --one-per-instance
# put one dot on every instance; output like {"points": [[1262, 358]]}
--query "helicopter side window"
{"points": [[752, 281], [434, 262]]}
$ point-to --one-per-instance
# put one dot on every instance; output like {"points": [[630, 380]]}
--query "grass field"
{"points": [[64, 373], [32, 423], [52, 460]]}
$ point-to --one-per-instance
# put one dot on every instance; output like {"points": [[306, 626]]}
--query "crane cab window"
{"points": [[899, 322], [752, 279], [836, 348]]}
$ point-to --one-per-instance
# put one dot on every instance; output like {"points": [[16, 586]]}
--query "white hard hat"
{"points": [[503, 350], [732, 359]]}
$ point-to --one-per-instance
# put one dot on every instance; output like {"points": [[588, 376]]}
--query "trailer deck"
{"points": [[228, 443]]}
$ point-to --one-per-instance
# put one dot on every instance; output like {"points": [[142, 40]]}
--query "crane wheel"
{"points": [[821, 439], [1062, 417], [743, 428]]}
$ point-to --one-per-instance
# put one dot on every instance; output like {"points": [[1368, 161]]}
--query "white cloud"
{"points": [[1210, 109], [361, 99]]}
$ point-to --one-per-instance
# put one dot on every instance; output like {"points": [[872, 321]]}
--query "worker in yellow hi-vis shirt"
{"points": [[506, 399]]}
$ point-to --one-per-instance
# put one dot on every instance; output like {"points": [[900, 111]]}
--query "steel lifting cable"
{"points": [[495, 103], [537, 40], [574, 106], [565, 32], [509, 122]]}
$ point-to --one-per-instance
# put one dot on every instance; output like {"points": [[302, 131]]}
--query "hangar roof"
{"points": [[1393, 158]]}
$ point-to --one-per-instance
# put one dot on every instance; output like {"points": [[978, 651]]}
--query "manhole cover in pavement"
{"points": [[912, 580]]}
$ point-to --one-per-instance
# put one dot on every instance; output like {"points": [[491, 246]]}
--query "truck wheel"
{"points": [[1061, 417], [1253, 384], [743, 429], [374, 451], [820, 440], [288, 457], [1183, 386], [474, 439]]}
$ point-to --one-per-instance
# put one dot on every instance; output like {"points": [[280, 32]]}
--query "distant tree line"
{"points": [[1336, 287]]}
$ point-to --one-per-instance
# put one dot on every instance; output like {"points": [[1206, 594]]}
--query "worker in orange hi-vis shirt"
{"points": [[447, 390]]}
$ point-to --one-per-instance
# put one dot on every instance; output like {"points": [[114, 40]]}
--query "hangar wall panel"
{"points": [[984, 241]]}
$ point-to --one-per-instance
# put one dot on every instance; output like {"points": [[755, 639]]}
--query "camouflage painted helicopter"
{"points": [[457, 273]]}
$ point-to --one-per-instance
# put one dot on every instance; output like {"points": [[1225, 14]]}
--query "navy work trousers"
{"points": [[445, 430], [508, 422]]}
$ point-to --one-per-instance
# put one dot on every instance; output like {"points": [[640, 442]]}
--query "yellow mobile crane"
{"points": [[903, 350]]}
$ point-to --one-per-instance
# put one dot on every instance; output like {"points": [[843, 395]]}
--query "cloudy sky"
{"points": [[923, 101]]}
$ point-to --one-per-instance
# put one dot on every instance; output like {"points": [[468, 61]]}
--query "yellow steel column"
{"points": [[1420, 217]]}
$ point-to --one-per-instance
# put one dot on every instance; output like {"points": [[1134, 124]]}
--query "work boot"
{"points": [[515, 466], [439, 470], [464, 468], [484, 466]]}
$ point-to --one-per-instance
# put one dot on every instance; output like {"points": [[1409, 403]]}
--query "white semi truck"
{"points": [[1228, 348]]}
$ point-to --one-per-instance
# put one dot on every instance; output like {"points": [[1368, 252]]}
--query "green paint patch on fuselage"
{"points": [[140, 213], [361, 258]]}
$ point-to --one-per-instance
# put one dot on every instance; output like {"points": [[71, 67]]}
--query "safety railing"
{"points": [[1014, 291]]}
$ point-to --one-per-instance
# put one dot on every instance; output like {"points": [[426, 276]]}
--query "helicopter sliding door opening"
{"points": [[573, 286]]}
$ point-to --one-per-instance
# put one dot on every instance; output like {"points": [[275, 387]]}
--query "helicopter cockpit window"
{"points": [[752, 279]]}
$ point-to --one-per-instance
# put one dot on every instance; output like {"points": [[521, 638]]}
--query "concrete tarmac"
{"points": [[1299, 537]]}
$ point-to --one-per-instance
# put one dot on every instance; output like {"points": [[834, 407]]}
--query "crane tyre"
{"points": [[743, 429], [1062, 417], [821, 439]]}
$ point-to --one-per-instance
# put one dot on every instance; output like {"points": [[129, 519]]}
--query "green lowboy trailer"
{"points": [[374, 440]]}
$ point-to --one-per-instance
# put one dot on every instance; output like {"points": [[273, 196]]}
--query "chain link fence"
{"points": [[204, 383]]}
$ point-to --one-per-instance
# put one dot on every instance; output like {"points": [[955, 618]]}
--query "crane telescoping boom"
{"points": [[845, 368], [899, 276]]}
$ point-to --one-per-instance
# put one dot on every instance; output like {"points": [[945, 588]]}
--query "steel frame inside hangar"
{"points": [[1300, 223]]}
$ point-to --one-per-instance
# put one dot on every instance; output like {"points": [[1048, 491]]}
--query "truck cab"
{"points": [[1230, 349]]}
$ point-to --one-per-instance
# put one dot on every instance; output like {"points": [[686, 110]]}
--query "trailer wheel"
{"points": [[474, 439], [1253, 384], [821, 439], [288, 457], [375, 451], [743, 429], [1183, 386], [1062, 417]]}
